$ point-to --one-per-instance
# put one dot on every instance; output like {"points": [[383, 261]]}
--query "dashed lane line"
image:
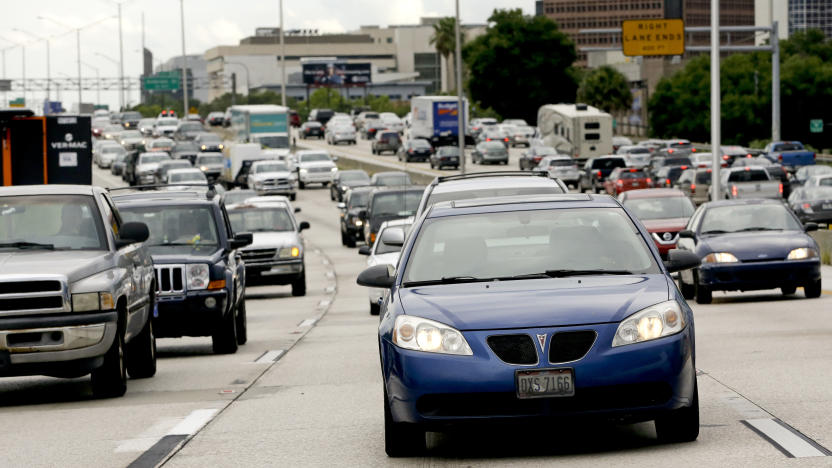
{"points": [[270, 356]]}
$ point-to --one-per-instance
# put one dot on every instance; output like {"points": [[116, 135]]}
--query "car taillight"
{"points": [[619, 183], [734, 190], [488, 139], [505, 139], [725, 157], [667, 182], [600, 174], [780, 157], [692, 187], [649, 181], [807, 206], [814, 156], [410, 151], [781, 188]]}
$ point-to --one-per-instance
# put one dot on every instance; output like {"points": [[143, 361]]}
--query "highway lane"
{"points": [[762, 359]]}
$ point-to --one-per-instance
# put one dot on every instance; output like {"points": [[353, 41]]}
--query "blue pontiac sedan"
{"points": [[529, 308], [748, 245]]}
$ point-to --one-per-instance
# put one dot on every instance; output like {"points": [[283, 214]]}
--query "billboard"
{"points": [[336, 73]]}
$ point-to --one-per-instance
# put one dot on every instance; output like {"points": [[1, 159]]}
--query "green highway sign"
{"points": [[159, 82], [18, 102], [816, 126]]}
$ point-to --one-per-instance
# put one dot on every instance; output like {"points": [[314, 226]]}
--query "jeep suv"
{"points": [[200, 276], [77, 290]]}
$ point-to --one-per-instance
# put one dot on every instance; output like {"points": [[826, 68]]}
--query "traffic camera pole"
{"points": [[460, 108], [716, 114]]}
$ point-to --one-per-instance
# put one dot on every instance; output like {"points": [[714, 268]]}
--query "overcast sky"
{"points": [[207, 23]]}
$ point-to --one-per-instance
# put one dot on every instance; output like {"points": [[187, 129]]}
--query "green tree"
{"points": [[444, 40], [519, 64], [606, 88]]}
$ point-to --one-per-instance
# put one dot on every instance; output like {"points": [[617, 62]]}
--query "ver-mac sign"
{"points": [[653, 37]]}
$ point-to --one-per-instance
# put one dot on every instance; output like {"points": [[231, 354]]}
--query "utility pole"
{"points": [[184, 60], [460, 108], [121, 61], [282, 60], [716, 105], [775, 82]]}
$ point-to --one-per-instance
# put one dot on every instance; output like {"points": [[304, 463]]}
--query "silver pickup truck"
{"points": [[76, 288], [749, 182]]}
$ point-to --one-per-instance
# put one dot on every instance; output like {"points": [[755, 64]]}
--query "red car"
{"points": [[664, 212], [294, 118], [623, 179]]}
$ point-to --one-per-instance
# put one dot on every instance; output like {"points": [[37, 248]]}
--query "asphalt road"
{"points": [[306, 390]]}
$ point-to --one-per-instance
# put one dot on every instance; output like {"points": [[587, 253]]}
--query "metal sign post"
{"points": [[716, 108]]}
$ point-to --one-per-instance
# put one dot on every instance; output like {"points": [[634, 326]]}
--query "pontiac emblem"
{"points": [[542, 340]]}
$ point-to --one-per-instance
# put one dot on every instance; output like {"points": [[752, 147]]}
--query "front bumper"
{"points": [[634, 383], [188, 314], [315, 177], [146, 179], [448, 161], [759, 275], [277, 272], [61, 345]]}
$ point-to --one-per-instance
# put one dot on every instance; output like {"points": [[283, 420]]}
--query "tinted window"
{"points": [[592, 126], [788, 147], [592, 136], [393, 180], [632, 175], [660, 208], [703, 177], [175, 225], [752, 175], [608, 163], [359, 199], [561, 162], [395, 203]]}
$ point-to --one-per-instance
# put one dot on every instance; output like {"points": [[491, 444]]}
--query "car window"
{"points": [[393, 180], [734, 218], [703, 177], [261, 219], [190, 176], [395, 203], [358, 199], [496, 245], [209, 160], [660, 208], [66, 222], [271, 167], [788, 147], [175, 225], [152, 158], [749, 175]]}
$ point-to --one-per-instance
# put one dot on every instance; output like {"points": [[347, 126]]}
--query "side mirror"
{"points": [[365, 250], [678, 260], [379, 276], [809, 227], [243, 239], [342, 206], [393, 237], [687, 234], [132, 233], [303, 226], [297, 209]]}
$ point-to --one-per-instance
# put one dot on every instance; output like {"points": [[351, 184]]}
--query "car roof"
{"points": [[389, 173], [654, 193], [269, 199], [251, 203], [743, 201], [521, 203], [494, 183], [397, 189], [56, 189], [197, 196], [313, 151]]}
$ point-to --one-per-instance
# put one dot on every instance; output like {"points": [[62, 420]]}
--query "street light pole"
{"points": [[48, 59], [23, 57], [121, 97], [460, 107], [282, 60], [184, 59], [775, 82], [716, 105], [98, 81]]}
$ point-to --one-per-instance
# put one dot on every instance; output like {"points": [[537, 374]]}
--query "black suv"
{"points": [[596, 171], [386, 204], [352, 226], [343, 181], [200, 277]]}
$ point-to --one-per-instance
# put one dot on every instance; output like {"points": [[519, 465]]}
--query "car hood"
{"points": [[664, 225], [74, 264], [269, 175], [307, 165], [271, 240], [167, 254], [755, 245], [535, 303]]}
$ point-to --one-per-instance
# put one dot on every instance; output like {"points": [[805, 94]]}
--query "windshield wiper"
{"points": [[447, 280], [27, 245], [758, 228], [566, 273], [715, 231], [180, 244]]}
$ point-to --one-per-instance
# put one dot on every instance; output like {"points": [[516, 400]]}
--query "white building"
{"points": [[766, 11], [199, 76]]}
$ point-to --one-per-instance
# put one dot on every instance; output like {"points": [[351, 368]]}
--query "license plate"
{"points": [[635, 184], [544, 383]]}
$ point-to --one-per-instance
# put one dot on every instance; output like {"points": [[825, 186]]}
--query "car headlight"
{"points": [[334, 169], [203, 168], [204, 147], [654, 322], [86, 302], [289, 252], [720, 257], [197, 276], [421, 334], [357, 222], [303, 171], [220, 146], [803, 253], [258, 184]]}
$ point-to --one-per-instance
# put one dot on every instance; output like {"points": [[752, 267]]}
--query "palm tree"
{"points": [[444, 39]]}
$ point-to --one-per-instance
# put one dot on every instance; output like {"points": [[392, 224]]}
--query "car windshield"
{"points": [[354, 177], [191, 127], [494, 147], [161, 144], [395, 203], [746, 217], [175, 225], [66, 222], [209, 160], [271, 167], [491, 193], [314, 157], [382, 248], [113, 149], [261, 219], [420, 144], [152, 158], [167, 122], [359, 199], [190, 176], [176, 164], [520, 243], [393, 180], [660, 208], [131, 116]]}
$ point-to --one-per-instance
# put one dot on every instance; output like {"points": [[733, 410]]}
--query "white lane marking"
{"points": [[323, 304], [329, 289], [307, 323], [780, 435], [146, 439], [194, 422], [270, 356], [325, 261], [330, 275]]}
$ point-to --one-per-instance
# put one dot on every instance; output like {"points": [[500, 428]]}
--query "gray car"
{"points": [[77, 289], [210, 164], [386, 140], [490, 152]]}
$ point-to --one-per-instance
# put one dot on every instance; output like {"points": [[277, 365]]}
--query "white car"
{"points": [[561, 167], [272, 177], [146, 166], [106, 154], [165, 126], [385, 251], [314, 167], [340, 133], [819, 181], [515, 122], [392, 121]]}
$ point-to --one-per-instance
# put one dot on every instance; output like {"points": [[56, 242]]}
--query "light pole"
{"points": [[5, 93], [716, 105], [282, 61], [460, 107], [184, 60], [248, 87], [48, 59], [97, 80], [23, 57]]}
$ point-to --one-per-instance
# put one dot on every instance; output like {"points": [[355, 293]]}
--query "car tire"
{"points": [[704, 295], [375, 309], [224, 339], [688, 290], [331, 195], [343, 238], [141, 353], [293, 196], [299, 285], [812, 290], [350, 241], [325, 184], [301, 185], [110, 380], [242, 323], [400, 439], [788, 290], [681, 425]]}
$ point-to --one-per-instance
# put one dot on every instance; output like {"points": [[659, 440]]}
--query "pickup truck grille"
{"points": [[170, 279], [276, 183], [25, 296], [320, 169], [258, 256]]}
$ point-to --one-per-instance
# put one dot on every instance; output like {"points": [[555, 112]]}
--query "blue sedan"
{"points": [[514, 309], [748, 245]]}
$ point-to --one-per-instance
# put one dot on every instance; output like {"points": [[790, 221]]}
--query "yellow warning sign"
{"points": [[653, 37]]}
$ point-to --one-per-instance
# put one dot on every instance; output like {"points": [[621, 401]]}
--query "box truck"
{"points": [[436, 119], [265, 124]]}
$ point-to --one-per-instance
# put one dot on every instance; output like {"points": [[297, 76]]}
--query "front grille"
{"points": [[170, 279], [320, 169], [31, 303], [260, 255], [276, 183], [570, 346], [513, 349], [22, 287]]}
